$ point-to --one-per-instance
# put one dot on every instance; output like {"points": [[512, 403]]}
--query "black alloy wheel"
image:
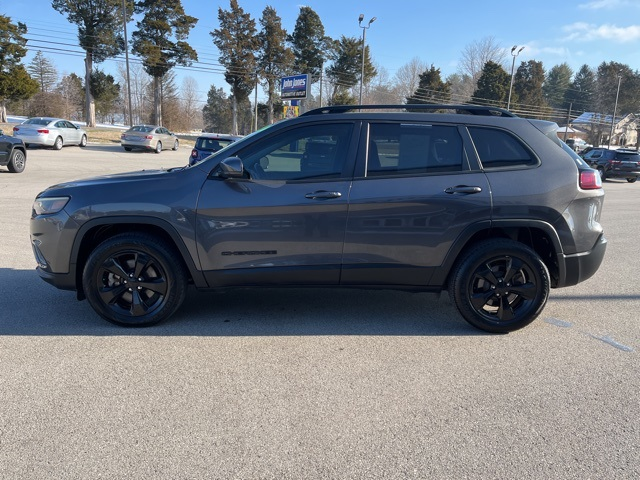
{"points": [[134, 280], [500, 285]]}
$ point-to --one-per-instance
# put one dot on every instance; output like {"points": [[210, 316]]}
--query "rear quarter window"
{"points": [[500, 149]]}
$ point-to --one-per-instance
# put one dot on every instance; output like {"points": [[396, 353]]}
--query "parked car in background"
{"points": [[494, 208], [50, 132], [13, 153], [621, 163], [577, 144], [149, 137], [209, 143]]}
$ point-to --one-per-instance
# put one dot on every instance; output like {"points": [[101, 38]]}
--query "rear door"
{"points": [[414, 194], [285, 222]]}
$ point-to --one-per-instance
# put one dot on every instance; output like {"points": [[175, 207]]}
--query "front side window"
{"points": [[314, 151], [497, 148], [410, 149]]}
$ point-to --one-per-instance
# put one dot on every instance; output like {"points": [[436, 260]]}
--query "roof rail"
{"points": [[459, 109]]}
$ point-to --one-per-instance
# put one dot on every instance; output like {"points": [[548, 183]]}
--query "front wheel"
{"points": [[158, 147], [500, 285], [632, 179], [83, 141], [134, 279], [176, 144], [17, 161]]}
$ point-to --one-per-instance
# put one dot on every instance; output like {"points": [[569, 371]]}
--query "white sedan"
{"points": [[50, 132]]}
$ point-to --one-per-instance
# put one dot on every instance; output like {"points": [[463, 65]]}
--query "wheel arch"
{"points": [[96, 231], [538, 235]]}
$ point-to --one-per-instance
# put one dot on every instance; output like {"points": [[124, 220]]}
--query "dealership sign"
{"points": [[294, 87]]}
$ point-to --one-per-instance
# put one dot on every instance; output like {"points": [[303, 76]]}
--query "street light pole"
{"points": [[513, 64], [615, 108], [364, 31]]}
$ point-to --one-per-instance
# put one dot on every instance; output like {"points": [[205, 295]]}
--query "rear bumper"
{"points": [[579, 267]]}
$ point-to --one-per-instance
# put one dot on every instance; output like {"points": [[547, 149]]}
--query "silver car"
{"points": [[50, 132], [149, 137]]}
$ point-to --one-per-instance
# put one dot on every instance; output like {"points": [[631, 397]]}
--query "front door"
{"points": [[285, 223]]}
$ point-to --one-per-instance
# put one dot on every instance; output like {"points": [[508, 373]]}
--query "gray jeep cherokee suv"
{"points": [[473, 200]]}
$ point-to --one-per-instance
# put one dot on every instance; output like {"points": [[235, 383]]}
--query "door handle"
{"points": [[463, 189], [323, 195]]}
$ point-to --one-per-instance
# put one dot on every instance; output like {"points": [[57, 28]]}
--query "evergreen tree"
{"points": [[105, 91], [238, 44], [309, 43], [556, 85], [346, 69], [42, 70], [493, 86], [431, 88], [216, 113], [161, 42], [15, 82], [99, 25], [275, 59], [608, 76], [582, 91], [527, 85]]}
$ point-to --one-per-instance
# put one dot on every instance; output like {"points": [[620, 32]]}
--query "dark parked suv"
{"points": [[13, 153], [621, 163], [492, 207]]}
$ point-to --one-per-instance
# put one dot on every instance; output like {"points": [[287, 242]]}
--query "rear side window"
{"points": [[498, 149], [410, 149]]}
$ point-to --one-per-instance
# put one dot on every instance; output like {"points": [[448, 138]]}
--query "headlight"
{"points": [[49, 205]]}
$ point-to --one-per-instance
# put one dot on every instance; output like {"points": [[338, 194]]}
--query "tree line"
{"points": [[257, 54]]}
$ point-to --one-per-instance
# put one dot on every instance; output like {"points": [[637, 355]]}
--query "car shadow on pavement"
{"points": [[29, 306]]}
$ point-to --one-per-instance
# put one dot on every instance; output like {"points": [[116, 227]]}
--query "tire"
{"points": [[632, 180], [57, 144], [176, 144], [83, 141], [134, 280], [17, 161], [158, 147], [127, 149], [500, 285], [602, 173]]}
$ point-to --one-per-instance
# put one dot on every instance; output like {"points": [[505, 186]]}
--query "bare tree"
{"points": [[140, 80], [191, 103], [407, 77], [475, 55]]}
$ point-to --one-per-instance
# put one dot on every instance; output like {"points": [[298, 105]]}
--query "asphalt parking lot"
{"points": [[295, 384]]}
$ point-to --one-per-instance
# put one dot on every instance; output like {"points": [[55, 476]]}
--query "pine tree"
{"points": [[346, 69], [238, 44], [106, 92], [15, 82], [275, 59], [99, 25], [582, 90], [42, 70], [309, 43], [217, 112], [527, 84], [556, 84], [431, 88], [493, 86], [161, 42]]}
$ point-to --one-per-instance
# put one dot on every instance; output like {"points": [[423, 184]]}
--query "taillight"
{"points": [[123, 136], [149, 137], [15, 129], [43, 130], [615, 162], [590, 180], [194, 153]]}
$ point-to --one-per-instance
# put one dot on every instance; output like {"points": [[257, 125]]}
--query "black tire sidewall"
{"points": [[461, 279], [13, 168], [161, 253]]}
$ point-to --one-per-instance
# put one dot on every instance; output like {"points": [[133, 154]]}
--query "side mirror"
{"points": [[231, 168]]}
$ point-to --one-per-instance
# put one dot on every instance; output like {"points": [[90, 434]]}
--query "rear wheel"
{"points": [[127, 149], [158, 147], [632, 180], [57, 145], [602, 173], [500, 285], [134, 279], [17, 161]]}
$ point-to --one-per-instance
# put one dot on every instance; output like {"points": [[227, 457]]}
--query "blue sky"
{"points": [[577, 32]]}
